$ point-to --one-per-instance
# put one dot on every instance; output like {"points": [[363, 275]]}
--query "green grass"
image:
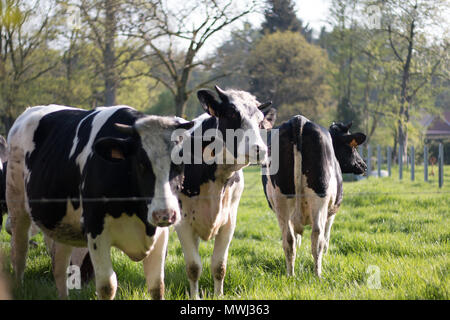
{"points": [[402, 227]]}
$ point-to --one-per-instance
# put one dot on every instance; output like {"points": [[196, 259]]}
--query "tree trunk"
{"points": [[394, 150], [349, 74], [404, 98], [366, 102], [180, 103], [109, 53], [403, 139]]}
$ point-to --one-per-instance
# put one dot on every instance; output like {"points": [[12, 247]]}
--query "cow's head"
{"points": [[241, 112], [147, 149], [344, 144]]}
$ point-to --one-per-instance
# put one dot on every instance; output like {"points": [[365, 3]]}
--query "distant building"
{"points": [[438, 131], [438, 128]]}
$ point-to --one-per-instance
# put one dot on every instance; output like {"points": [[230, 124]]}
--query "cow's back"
{"points": [[317, 157], [307, 166]]}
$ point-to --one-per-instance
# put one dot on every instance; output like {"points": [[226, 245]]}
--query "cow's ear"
{"points": [[354, 140], [348, 125], [185, 125], [115, 149], [209, 102], [265, 106], [270, 116]]}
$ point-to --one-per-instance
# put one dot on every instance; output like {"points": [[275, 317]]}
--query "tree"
{"points": [[109, 25], [177, 40], [231, 57], [280, 16], [341, 44], [407, 24], [368, 76], [24, 33], [288, 70]]}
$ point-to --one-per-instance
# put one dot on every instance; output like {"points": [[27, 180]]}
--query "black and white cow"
{"points": [[3, 162], [211, 192], [307, 187], [88, 164]]}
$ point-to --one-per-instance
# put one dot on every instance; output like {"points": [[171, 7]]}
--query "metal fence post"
{"points": [[441, 165], [407, 158], [425, 163], [369, 160], [400, 162], [389, 159], [379, 160], [412, 163]]}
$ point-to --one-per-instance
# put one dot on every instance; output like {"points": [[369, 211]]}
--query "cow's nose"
{"points": [[164, 218]]}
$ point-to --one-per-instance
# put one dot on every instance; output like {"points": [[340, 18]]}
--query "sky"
{"points": [[313, 12]]}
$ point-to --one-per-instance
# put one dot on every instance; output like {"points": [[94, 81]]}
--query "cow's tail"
{"points": [[297, 147]]}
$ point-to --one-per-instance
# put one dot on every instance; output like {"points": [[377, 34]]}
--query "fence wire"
{"points": [[149, 199]]}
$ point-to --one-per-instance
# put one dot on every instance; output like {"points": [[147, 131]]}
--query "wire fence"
{"points": [[244, 196], [382, 158]]}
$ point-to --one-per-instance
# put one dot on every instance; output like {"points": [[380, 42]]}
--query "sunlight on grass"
{"points": [[402, 227]]}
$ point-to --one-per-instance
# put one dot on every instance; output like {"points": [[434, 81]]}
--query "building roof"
{"points": [[439, 127]]}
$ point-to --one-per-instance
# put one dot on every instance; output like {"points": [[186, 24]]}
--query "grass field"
{"points": [[401, 228]]}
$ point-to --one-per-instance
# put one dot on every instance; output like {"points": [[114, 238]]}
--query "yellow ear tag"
{"points": [[117, 154], [211, 111], [353, 143]]}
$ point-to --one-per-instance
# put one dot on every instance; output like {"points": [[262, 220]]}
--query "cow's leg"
{"points": [[105, 277], [327, 232], [154, 264], [319, 211], [61, 260], [289, 247], [20, 226], [298, 236], [48, 243], [220, 255], [297, 224], [288, 236], [18, 215], [189, 243]]}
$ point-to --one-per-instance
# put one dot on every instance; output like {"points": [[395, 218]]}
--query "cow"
{"points": [[211, 191], [307, 187], [100, 178]]}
